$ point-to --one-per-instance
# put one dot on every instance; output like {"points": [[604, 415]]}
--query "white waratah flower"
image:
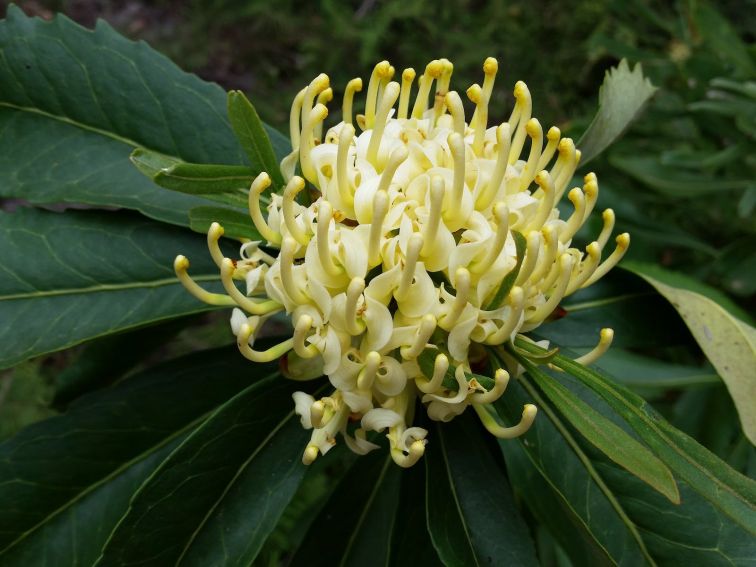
{"points": [[430, 233]]}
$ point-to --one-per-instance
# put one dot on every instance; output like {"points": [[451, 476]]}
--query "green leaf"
{"points": [[411, 545], [228, 184], [355, 525], [75, 103], [560, 486], [623, 95], [728, 342], [67, 480], [251, 134], [605, 435], [204, 504], [109, 358], [235, 223], [725, 489], [673, 181], [83, 274], [471, 514], [620, 301], [509, 280]]}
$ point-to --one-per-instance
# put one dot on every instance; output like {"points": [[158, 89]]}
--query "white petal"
{"points": [[302, 404], [379, 419]]}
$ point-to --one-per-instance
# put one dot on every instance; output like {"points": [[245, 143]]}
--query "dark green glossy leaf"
{"points": [[83, 274], [252, 136], [622, 302], [562, 489], [509, 280], [411, 545], [733, 494], [107, 359], [236, 224], [226, 184], [355, 526], [623, 95], [605, 435], [471, 514], [67, 480], [75, 103], [205, 505]]}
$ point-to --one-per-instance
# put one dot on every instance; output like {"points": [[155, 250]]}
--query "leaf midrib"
{"points": [[71, 122], [104, 288], [455, 496]]}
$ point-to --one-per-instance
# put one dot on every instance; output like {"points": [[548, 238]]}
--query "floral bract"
{"points": [[430, 233]]}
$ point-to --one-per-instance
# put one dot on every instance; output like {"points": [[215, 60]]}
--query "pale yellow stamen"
{"points": [[552, 136], [316, 86], [440, 366], [493, 427], [462, 287], [260, 184], [290, 194], [608, 218], [566, 262], [323, 241], [342, 157], [397, 158], [546, 204], [274, 352], [314, 117], [591, 193], [432, 71], [353, 86], [623, 242], [180, 266], [288, 247], [546, 260], [213, 236], [353, 324], [457, 111], [379, 71], [380, 208], [387, 103], [414, 246], [501, 379], [480, 118], [457, 147], [487, 196], [525, 105], [294, 118], [366, 377], [535, 132], [442, 87], [301, 331], [263, 308], [532, 251], [577, 198], [517, 304], [408, 76], [586, 268], [424, 332], [430, 229], [501, 214], [605, 341]]}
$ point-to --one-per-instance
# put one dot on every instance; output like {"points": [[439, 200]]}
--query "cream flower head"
{"points": [[403, 246]]}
